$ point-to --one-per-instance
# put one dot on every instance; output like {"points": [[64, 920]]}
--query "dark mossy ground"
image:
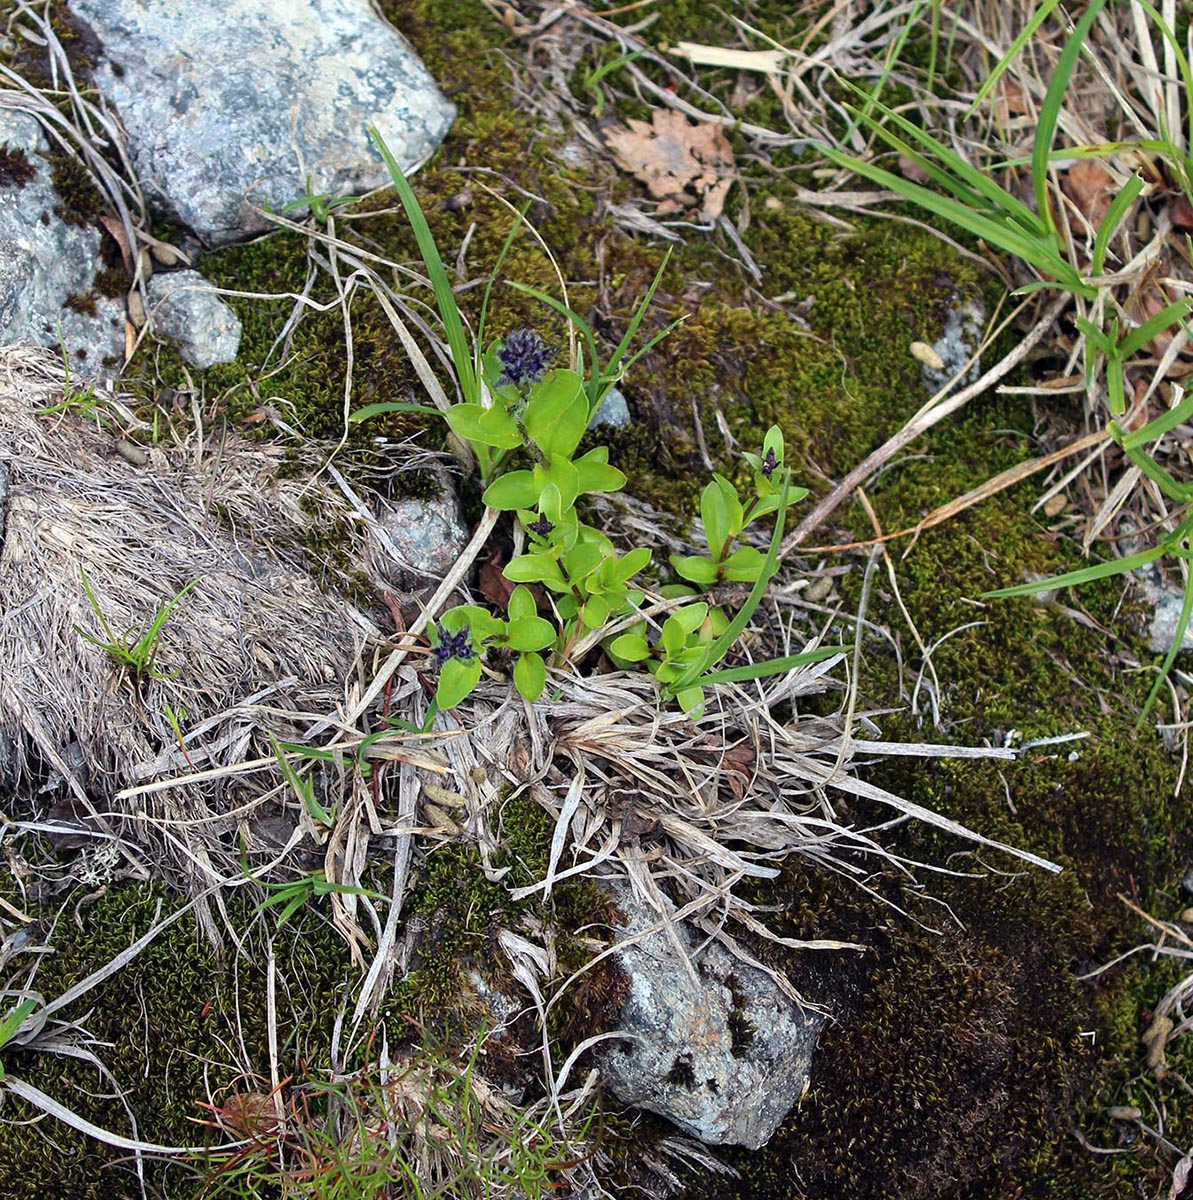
{"points": [[965, 1051]]}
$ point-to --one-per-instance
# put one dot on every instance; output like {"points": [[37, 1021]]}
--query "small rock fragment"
{"points": [[185, 308]]}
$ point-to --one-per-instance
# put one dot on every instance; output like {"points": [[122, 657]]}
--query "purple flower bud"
{"points": [[769, 463], [525, 356], [453, 645], [542, 527]]}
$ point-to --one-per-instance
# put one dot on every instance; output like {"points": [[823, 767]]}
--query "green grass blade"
{"points": [[1050, 111], [1110, 222], [1025, 35], [390, 406], [1141, 335], [1160, 426], [1116, 566], [445, 298], [1178, 492], [772, 666], [1003, 236], [966, 182]]}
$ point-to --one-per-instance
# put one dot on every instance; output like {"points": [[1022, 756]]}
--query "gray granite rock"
{"points": [[614, 411], [46, 262], [963, 328], [724, 1059], [1166, 601], [423, 538], [233, 105], [185, 309]]}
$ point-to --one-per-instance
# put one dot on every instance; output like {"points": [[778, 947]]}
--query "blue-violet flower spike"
{"points": [[452, 645], [525, 356]]}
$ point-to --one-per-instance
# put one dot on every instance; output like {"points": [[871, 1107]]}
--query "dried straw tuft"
{"points": [[253, 647]]}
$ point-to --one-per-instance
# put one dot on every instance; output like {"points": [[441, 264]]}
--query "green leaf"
{"points": [[581, 560], [595, 475], [486, 426], [690, 617], [744, 564], [721, 512], [457, 678], [595, 611], [674, 637], [530, 676], [536, 568], [479, 621], [632, 647], [625, 568], [515, 489], [694, 569], [563, 473], [521, 604], [530, 633], [691, 700], [557, 413]]}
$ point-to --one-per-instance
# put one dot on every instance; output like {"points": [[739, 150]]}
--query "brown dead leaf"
{"points": [[1091, 188], [910, 169], [116, 229], [1009, 99], [683, 164], [1181, 212]]}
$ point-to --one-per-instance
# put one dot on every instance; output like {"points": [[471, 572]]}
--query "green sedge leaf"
{"points": [[530, 676], [557, 413], [631, 647], [515, 489], [521, 604], [390, 406], [694, 569], [530, 633], [457, 678]]}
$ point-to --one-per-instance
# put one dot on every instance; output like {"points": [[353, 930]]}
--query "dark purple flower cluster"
{"points": [[524, 356], [769, 463], [542, 527], [452, 645]]}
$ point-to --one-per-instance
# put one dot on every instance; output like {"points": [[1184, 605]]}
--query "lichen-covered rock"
{"points": [[185, 308], [245, 103], [964, 325], [48, 266], [724, 1058]]}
